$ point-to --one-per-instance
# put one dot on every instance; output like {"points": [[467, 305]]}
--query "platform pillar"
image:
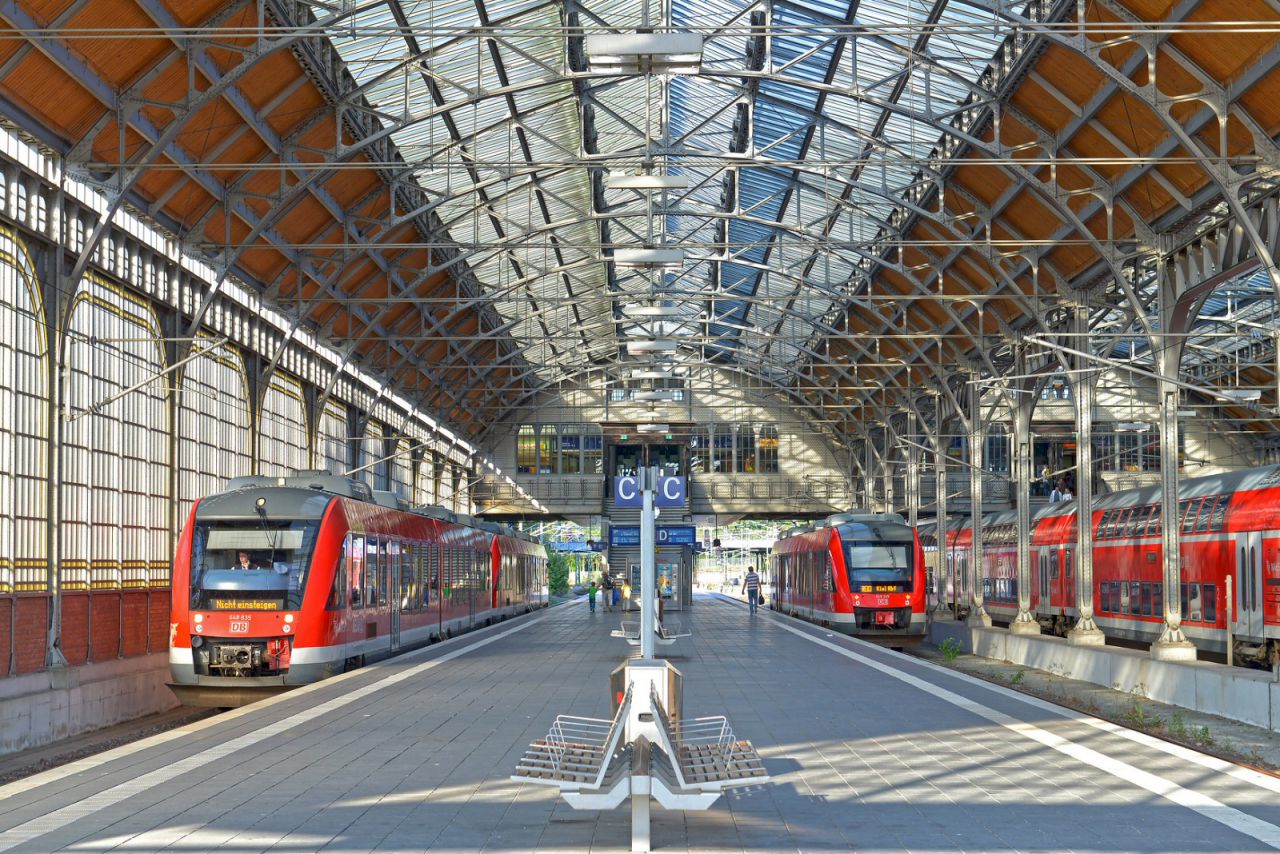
{"points": [[1172, 645], [940, 505], [1025, 623], [978, 615], [1085, 632], [913, 469]]}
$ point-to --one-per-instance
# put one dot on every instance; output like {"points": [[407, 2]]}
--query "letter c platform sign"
{"points": [[670, 491]]}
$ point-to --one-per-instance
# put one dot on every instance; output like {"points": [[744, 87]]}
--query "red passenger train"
{"points": [[1229, 526], [284, 581], [860, 573]]}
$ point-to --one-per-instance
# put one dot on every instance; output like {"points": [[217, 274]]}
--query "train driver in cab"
{"points": [[244, 561]]}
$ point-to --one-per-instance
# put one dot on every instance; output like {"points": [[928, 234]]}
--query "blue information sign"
{"points": [[670, 491], [624, 535], [676, 535], [665, 535]]}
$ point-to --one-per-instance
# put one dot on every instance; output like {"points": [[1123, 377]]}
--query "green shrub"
{"points": [[951, 649]]}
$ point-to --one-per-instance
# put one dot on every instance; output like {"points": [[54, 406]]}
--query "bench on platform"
{"points": [[576, 753], [704, 755]]}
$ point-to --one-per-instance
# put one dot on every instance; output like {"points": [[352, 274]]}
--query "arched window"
{"points": [[426, 492], [401, 466], [331, 439], [213, 425], [24, 559], [115, 490], [282, 428]]}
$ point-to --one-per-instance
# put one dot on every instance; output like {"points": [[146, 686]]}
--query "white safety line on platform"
{"points": [[1242, 822], [71, 813]]}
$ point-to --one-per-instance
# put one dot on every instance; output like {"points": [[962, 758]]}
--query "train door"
{"points": [[1068, 578], [395, 582], [1248, 585]]}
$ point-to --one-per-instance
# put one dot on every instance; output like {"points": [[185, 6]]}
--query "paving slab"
{"points": [[869, 750]]}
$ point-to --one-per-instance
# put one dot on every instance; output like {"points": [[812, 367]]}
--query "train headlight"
{"points": [[199, 618], [288, 618], [287, 628]]}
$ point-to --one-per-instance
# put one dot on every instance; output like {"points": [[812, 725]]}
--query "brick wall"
{"points": [[30, 632], [159, 620], [133, 638], [75, 627], [105, 641]]}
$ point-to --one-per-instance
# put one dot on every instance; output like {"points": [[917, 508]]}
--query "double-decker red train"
{"points": [[280, 582], [860, 573], [1229, 527]]}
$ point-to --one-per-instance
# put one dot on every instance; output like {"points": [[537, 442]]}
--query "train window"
{"points": [[1135, 523], [338, 593], [1157, 599], [1102, 524], [1188, 509], [370, 575], [1135, 597], [1218, 517], [1206, 510], [1123, 602], [1146, 599], [1185, 609], [1153, 524], [1192, 608], [1068, 566], [1115, 598], [408, 581], [1209, 599]]}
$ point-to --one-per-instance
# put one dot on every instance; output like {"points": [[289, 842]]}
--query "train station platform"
{"points": [[868, 750]]}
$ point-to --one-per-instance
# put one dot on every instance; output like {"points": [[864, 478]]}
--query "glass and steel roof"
{"points": [[807, 126]]}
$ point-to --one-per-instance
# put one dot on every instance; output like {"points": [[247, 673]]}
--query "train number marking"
{"points": [[238, 627]]}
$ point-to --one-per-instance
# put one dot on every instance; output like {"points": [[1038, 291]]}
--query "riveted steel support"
{"points": [[943, 579], [913, 469], [886, 465], [1025, 623], [1086, 631], [978, 615], [1172, 645]]}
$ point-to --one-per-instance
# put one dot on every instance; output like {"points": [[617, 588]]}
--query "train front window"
{"points": [[876, 567], [251, 565]]}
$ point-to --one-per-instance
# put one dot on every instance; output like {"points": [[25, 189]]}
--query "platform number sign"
{"points": [[670, 491]]}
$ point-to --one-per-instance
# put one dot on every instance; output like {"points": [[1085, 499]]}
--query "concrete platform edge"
{"points": [[39, 708], [1248, 696]]}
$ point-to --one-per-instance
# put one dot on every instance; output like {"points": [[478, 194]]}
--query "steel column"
{"points": [[1025, 623], [1172, 645], [940, 504], [978, 615], [1086, 631], [913, 469]]}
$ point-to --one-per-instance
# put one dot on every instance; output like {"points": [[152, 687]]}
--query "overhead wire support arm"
{"points": [[95, 408]]}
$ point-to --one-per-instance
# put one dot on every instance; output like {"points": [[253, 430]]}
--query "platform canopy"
{"points": [[848, 203]]}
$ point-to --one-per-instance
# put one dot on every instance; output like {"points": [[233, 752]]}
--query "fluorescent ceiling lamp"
{"points": [[1239, 394], [1186, 413], [1134, 426], [651, 374], [623, 181], [648, 257], [635, 309], [651, 428], [644, 53], [659, 345], [661, 394]]}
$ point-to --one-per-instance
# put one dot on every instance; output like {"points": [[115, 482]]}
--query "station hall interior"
{"points": [[465, 276]]}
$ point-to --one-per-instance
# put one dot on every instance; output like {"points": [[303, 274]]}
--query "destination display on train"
{"points": [[880, 588], [245, 604]]}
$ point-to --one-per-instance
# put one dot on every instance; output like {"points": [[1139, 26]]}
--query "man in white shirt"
{"points": [[751, 585]]}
